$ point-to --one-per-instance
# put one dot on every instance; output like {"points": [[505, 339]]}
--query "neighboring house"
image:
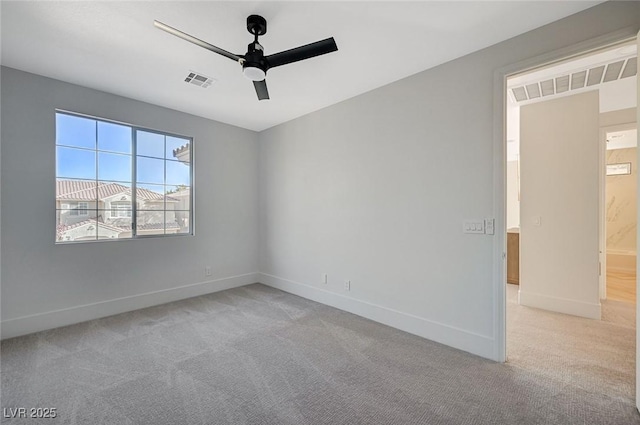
{"points": [[85, 208]]}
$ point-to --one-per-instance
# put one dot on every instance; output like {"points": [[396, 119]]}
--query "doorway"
{"points": [[619, 241], [560, 182]]}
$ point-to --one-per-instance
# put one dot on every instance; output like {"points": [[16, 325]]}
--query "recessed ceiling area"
{"points": [[114, 47]]}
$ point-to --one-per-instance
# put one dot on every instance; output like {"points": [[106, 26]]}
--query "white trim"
{"points": [[53, 319], [561, 305], [471, 342]]}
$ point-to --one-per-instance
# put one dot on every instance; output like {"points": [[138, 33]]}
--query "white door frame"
{"points": [[499, 168], [638, 233]]}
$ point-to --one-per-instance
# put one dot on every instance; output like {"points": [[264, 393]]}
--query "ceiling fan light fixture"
{"points": [[254, 73]]}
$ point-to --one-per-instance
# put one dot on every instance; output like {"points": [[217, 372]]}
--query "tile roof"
{"points": [[61, 228], [157, 226], [85, 190]]}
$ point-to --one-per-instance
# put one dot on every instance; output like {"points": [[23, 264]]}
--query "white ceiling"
{"points": [[113, 46]]}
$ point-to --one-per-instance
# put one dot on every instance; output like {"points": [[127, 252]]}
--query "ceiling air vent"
{"points": [[199, 80], [595, 75], [613, 71], [631, 68], [562, 84], [578, 79], [547, 87], [520, 94], [533, 90]]}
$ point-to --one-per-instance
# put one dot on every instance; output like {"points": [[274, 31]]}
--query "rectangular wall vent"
{"points": [[199, 80]]}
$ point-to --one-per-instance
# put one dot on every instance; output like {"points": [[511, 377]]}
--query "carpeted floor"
{"points": [[260, 356], [595, 355]]}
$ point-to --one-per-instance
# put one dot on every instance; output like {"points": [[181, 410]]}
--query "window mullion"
{"points": [[134, 188]]}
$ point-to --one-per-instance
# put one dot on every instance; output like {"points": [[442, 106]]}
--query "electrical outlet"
{"points": [[325, 278], [347, 285], [207, 271]]}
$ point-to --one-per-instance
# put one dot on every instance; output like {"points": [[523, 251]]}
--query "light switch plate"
{"points": [[475, 226], [489, 226]]}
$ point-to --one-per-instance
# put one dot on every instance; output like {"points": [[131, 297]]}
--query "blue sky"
{"points": [[78, 138]]}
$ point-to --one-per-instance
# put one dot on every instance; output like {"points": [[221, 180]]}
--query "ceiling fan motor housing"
{"points": [[255, 66], [253, 61]]}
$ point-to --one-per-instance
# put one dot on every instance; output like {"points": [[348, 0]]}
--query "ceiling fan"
{"points": [[254, 63]]}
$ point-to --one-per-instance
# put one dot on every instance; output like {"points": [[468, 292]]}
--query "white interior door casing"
{"points": [[638, 239]]}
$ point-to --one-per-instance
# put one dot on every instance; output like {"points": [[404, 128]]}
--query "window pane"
{"points": [[73, 228], [118, 228], [71, 191], [171, 222], [150, 144], [178, 173], [113, 166], [150, 223], [114, 137], [75, 163], [150, 170], [177, 148], [150, 197], [75, 131], [182, 220], [178, 197]]}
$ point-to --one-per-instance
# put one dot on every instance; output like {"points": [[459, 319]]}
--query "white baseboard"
{"points": [[449, 335], [68, 316], [560, 305]]}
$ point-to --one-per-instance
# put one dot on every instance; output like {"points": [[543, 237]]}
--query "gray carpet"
{"points": [[260, 356], [595, 355]]}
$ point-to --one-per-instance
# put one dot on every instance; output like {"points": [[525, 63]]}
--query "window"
{"points": [[76, 208], [116, 181], [120, 209]]}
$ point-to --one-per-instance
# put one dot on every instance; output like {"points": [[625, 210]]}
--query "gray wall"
{"points": [[375, 190], [61, 284]]}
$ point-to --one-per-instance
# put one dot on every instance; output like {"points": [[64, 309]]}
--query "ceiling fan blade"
{"points": [[261, 89], [303, 52], [196, 41]]}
